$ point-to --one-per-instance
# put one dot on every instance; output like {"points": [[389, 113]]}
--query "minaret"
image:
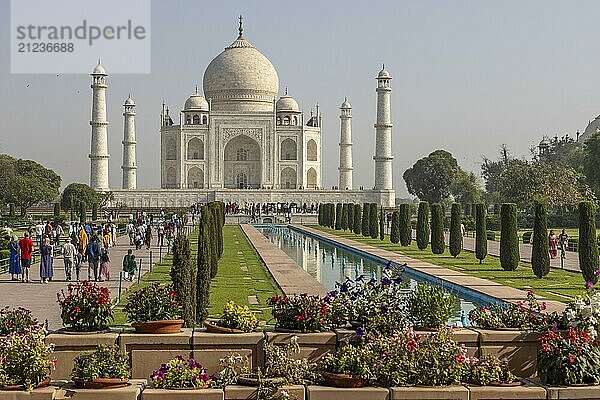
{"points": [[345, 167], [129, 166], [383, 141], [99, 146]]}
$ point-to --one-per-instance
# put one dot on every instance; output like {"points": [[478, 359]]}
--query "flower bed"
{"points": [[154, 309], [86, 307]]}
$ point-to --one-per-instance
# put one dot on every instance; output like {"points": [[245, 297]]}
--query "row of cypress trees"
{"points": [[366, 220], [191, 281]]}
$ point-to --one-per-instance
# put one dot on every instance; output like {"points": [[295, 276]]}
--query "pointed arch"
{"points": [[311, 178], [288, 178], [195, 178], [289, 150], [311, 150], [195, 149]]}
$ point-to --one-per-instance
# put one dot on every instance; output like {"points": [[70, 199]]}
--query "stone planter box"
{"points": [[333, 393], [519, 348], [69, 346], [237, 392], [200, 394], [570, 392], [131, 392], [429, 393], [528, 391], [209, 348], [148, 351], [46, 393], [313, 346]]}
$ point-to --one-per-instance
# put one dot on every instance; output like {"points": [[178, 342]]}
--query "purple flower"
{"points": [[385, 281], [554, 326], [344, 287], [597, 272], [589, 284], [398, 280], [180, 357], [360, 332], [383, 309]]}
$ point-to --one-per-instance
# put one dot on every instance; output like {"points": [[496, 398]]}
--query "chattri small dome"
{"points": [[287, 103], [196, 102], [346, 104], [99, 69], [129, 101], [383, 73]]}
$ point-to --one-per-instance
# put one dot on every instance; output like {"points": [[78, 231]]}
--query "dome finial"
{"points": [[196, 89], [241, 28], [286, 93]]}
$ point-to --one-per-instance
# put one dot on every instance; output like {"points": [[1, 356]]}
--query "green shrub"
{"points": [[588, 242], [480, 233], [4, 254], [423, 225], [183, 276], [357, 219], [395, 230], [540, 255], [107, 361], [430, 306], [365, 220], [509, 239], [438, 244], [455, 230], [405, 228], [338, 216]]}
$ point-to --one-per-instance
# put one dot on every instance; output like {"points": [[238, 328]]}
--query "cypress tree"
{"points": [[350, 217], [82, 212], [204, 267], [344, 223], [214, 238], [338, 216], [588, 242], [365, 220], [320, 217], [357, 219], [94, 211], [509, 240], [423, 225], [184, 279], [332, 215], [540, 253], [395, 230], [473, 209], [381, 225], [496, 209], [57, 209], [480, 233], [456, 239], [404, 226], [373, 226], [468, 209], [438, 244], [12, 210]]}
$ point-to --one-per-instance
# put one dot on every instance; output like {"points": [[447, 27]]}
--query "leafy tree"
{"points": [[540, 255], [11, 210], [404, 222], [357, 219], [365, 220], [423, 225], [509, 240], [480, 233], [465, 189], [57, 209], [456, 238], [350, 216], [373, 226], [79, 192], [431, 177], [183, 276], [95, 212], [395, 231], [82, 212], [381, 225], [591, 155], [438, 244], [588, 242], [338, 216]]}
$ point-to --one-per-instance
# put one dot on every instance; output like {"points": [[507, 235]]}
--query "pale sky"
{"points": [[467, 77]]}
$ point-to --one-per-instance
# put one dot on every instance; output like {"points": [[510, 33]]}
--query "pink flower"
{"points": [[589, 284]]}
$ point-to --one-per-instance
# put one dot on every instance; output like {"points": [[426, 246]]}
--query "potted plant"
{"points": [[25, 360], [526, 315], [86, 307], [234, 319], [300, 313], [179, 374], [429, 307], [349, 367], [105, 367], [16, 320], [154, 309], [490, 371], [568, 358]]}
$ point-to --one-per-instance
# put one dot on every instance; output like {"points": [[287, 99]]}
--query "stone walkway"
{"points": [[41, 298], [290, 278], [479, 285]]}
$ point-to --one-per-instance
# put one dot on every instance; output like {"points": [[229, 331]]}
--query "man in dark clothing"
{"points": [[93, 256]]}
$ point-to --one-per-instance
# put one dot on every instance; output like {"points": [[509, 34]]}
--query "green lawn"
{"points": [[557, 285], [231, 283]]}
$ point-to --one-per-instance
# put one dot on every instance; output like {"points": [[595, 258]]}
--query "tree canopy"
{"points": [[431, 177]]}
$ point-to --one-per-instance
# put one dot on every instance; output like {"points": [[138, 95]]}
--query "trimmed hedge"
{"points": [[588, 242], [509, 239], [480, 233], [438, 244], [404, 217], [357, 228], [456, 239], [540, 254], [423, 225]]}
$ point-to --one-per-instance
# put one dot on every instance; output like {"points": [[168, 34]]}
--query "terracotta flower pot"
{"points": [[100, 383], [163, 326], [344, 380], [42, 384], [214, 328]]}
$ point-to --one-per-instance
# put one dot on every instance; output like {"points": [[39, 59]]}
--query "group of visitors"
{"points": [[555, 243], [256, 209]]}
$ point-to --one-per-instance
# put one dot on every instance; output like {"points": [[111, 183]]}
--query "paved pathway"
{"points": [[41, 298], [477, 284]]}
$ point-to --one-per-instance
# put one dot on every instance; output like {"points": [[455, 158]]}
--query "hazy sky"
{"points": [[467, 77]]}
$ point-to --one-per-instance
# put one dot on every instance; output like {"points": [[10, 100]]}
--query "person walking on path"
{"points": [[129, 265], [83, 241], [93, 258], [104, 266], [69, 251], [15, 264], [553, 244], [46, 268], [25, 251], [563, 241]]}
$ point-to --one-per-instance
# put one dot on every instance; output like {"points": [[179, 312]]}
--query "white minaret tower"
{"points": [[383, 141], [129, 166], [345, 167], [99, 148]]}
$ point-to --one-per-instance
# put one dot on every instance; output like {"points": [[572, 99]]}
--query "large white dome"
{"points": [[241, 78]]}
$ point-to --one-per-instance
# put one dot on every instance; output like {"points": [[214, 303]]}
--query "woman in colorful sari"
{"points": [[15, 263]]}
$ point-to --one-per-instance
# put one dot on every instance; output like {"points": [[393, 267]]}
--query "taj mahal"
{"points": [[239, 140]]}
